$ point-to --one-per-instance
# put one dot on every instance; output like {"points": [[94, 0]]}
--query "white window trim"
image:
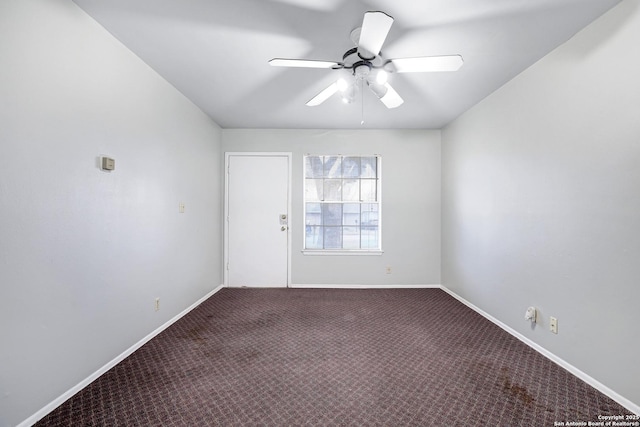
{"points": [[329, 252], [344, 252]]}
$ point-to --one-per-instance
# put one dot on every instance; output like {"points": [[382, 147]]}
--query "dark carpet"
{"points": [[291, 357]]}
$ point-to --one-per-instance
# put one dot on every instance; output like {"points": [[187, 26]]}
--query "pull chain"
{"points": [[361, 102]]}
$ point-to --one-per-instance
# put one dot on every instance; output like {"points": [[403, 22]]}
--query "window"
{"points": [[342, 203]]}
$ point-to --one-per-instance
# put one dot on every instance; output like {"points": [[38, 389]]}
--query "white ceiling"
{"points": [[216, 51]]}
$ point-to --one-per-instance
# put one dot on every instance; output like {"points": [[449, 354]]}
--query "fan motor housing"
{"points": [[351, 60]]}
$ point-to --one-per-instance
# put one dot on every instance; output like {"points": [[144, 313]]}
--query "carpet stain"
{"points": [[194, 335], [262, 321], [518, 392]]}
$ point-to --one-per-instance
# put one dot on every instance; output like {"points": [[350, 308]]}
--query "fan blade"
{"points": [[427, 64], [388, 95], [324, 95], [375, 27], [303, 63]]}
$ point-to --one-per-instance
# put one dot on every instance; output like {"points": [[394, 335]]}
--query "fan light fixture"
{"points": [[382, 77], [386, 94], [349, 94]]}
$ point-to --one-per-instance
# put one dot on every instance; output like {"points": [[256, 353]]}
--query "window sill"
{"points": [[329, 252]]}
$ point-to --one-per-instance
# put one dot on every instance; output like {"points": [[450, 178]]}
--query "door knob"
{"points": [[283, 228]]}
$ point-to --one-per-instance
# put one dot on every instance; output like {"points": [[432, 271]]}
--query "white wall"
{"points": [[541, 201], [410, 202], [84, 253]]}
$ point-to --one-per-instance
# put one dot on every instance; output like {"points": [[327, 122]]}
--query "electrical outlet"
{"points": [[157, 303], [388, 270], [553, 325]]}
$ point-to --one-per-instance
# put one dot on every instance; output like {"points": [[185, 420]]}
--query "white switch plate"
{"points": [[181, 207], [553, 325], [157, 303]]}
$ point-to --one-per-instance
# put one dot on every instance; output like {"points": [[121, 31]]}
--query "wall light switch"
{"points": [[108, 164]]}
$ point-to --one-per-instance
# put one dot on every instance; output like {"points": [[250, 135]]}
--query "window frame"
{"points": [[378, 202]]}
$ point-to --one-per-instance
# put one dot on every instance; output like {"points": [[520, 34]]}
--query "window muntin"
{"points": [[342, 203]]}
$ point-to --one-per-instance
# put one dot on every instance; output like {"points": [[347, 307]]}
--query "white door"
{"points": [[258, 220]]}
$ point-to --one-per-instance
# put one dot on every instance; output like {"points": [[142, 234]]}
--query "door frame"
{"points": [[227, 157]]}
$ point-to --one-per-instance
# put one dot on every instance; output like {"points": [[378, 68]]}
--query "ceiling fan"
{"points": [[368, 66]]}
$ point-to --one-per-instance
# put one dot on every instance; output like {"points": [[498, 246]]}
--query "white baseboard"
{"points": [[546, 353], [72, 391], [357, 286]]}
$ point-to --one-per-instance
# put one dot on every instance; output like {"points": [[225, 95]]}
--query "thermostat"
{"points": [[108, 164]]}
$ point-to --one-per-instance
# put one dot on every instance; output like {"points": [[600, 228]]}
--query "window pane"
{"points": [[333, 189], [369, 214], [368, 189], [351, 167], [351, 190], [333, 237], [313, 214], [313, 237], [351, 237], [369, 167], [313, 189], [351, 214], [369, 237], [313, 229], [313, 166], [332, 168], [332, 214]]}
